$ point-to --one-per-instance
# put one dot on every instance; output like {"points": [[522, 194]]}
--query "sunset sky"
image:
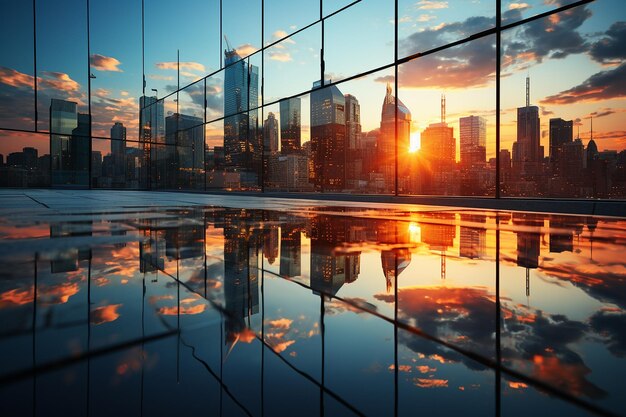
{"points": [[574, 59]]}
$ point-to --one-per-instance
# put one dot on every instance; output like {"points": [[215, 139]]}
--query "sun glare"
{"points": [[415, 142]]}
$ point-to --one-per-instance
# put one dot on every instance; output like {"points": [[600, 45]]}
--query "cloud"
{"points": [[104, 63], [16, 79], [160, 77], [246, 49], [553, 37], [603, 85], [465, 66], [184, 66], [57, 81], [424, 18], [519, 6], [431, 5], [280, 56], [610, 49]]}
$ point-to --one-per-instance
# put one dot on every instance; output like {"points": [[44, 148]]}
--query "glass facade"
{"points": [[501, 99]]}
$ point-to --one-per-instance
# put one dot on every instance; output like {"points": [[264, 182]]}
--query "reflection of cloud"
{"points": [[603, 85], [185, 308], [16, 297], [611, 324], [104, 63], [105, 314], [337, 307], [282, 323], [430, 383]]}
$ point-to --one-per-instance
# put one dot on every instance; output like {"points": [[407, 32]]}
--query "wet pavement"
{"points": [[138, 303]]}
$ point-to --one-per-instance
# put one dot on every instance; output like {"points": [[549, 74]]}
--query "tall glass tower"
{"points": [[242, 139]]}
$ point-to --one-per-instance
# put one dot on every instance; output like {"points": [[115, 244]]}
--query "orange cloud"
{"points": [[282, 323], [430, 383], [104, 63], [16, 297], [105, 314], [15, 78]]}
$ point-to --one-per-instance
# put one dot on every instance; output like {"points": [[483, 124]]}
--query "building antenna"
{"points": [[230, 48], [528, 90], [591, 128], [443, 109]]}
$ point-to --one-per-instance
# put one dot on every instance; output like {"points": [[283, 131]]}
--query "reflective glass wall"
{"points": [[397, 97]]}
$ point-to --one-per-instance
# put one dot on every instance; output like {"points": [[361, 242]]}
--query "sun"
{"points": [[414, 145]]}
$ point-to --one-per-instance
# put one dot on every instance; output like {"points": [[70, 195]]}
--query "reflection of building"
{"points": [[290, 129], [561, 133], [328, 135], [270, 134], [472, 241], [242, 146], [151, 131], [290, 251], [395, 260], [329, 269], [439, 235], [528, 243], [241, 280]]}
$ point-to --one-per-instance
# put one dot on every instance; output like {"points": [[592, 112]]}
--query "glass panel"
{"points": [[163, 151], [17, 84], [217, 174], [215, 96], [425, 25], [283, 17], [331, 6], [241, 28], [359, 39], [563, 136], [116, 67], [453, 92], [24, 159], [62, 65], [292, 65], [117, 163], [369, 147], [192, 29]]}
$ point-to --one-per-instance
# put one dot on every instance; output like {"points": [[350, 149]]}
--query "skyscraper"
{"points": [[561, 133], [118, 151], [328, 136], [63, 120], [270, 134], [526, 149], [387, 141], [151, 133], [242, 146], [353, 122], [438, 145], [290, 125], [472, 138], [184, 136]]}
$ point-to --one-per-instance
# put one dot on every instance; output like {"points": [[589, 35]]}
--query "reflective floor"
{"points": [[131, 303]]}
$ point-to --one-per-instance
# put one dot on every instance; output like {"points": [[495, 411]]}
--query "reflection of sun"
{"points": [[415, 232], [414, 142]]}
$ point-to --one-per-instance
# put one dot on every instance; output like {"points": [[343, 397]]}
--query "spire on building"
{"points": [[443, 109], [527, 90]]}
